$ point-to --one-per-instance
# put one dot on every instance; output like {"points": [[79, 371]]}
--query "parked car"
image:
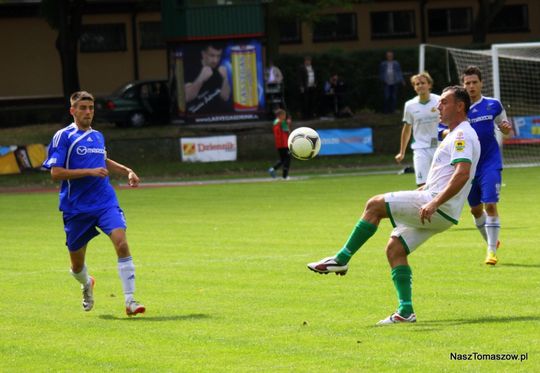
{"points": [[135, 104]]}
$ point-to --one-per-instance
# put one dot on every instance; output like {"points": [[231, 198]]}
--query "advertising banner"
{"points": [[219, 81], [526, 130], [346, 141], [16, 159], [208, 149]]}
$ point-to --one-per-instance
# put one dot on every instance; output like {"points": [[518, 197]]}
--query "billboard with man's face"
{"points": [[219, 81]]}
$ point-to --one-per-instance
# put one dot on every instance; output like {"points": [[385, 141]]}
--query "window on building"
{"points": [[335, 27], [449, 21], [511, 18], [151, 36], [389, 25], [290, 32], [109, 37]]}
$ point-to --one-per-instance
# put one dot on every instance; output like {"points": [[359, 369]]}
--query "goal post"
{"points": [[510, 73]]}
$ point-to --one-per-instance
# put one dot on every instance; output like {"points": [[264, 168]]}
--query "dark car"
{"points": [[135, 104]]}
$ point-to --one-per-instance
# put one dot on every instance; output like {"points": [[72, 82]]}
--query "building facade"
{"points": [[121, 41]]}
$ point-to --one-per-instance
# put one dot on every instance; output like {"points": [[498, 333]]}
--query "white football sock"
{"points": [[493, 227], [126, 271], [481, 224], [81, 276]]}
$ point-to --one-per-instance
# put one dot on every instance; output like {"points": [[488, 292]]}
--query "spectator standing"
{"points": [[334, 97], [391, 76], [308, 88], [274, 88], [273, 74]]}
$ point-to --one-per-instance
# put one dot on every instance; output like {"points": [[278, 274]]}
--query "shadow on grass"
{"points": [[193, 316], [470, 229], [437, 325], [480, 320], [519, 265]]}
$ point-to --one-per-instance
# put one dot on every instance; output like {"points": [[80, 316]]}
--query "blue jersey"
{"points": [[441, 127], [72, 148], [483, 115]]}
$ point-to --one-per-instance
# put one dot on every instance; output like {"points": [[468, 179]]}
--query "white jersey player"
{"points": [[421, 119], [419, 214]]}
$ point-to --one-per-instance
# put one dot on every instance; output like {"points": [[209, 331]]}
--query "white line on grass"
{"points": [[255, 179]]}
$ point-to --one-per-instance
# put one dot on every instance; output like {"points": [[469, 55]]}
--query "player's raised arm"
{"points": [[118, 168]]}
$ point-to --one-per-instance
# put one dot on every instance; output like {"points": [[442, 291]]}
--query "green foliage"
{"points": [[221, 269], [49, 11], [304, 9]]}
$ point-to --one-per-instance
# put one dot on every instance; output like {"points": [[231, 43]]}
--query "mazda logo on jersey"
{"points": [[83, 150]]}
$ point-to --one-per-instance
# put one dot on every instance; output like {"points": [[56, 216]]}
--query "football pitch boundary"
{"points": [[253, 179], [235, 180]]}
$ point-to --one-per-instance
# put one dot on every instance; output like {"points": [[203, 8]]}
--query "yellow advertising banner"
{"points": [[16, 159]]}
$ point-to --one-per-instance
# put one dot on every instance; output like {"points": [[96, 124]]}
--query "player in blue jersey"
{"points": [[77, 157], [486, 115]]}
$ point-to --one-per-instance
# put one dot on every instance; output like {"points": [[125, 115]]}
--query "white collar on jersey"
{"points": [[477, 101]]}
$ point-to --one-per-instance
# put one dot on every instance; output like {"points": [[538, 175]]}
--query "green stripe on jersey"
{"points": [[459, 160], [389, 213]]}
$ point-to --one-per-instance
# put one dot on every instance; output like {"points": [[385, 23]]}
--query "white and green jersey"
{"points": [[460, 145], [424, 118]]}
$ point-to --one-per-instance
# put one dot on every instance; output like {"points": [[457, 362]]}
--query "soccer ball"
{"points": [[304, 143]]}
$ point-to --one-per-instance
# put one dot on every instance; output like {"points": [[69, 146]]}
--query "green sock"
{"points": [[402, 277], [360, 234]]}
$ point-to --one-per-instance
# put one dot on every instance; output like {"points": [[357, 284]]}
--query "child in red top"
{"points": [[281, 135]]}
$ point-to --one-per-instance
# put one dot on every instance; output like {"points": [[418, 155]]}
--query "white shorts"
{"points": [[403, 209], [422, 159]]}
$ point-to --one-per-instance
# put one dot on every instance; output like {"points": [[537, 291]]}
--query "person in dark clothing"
{"points": [[308, 88]]}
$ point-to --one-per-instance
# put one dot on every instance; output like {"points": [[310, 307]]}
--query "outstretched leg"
{"points": [[374, 211]]}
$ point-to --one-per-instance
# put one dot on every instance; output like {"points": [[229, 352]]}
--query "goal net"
{"points": [[511, 73]]}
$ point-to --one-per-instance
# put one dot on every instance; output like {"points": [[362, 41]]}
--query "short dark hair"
{"points": [[80, 96], [215, 46], [460, 94], [472, 70]]}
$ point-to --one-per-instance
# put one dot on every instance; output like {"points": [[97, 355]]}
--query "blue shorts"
{"points": [[486, 187], [80, 228]]}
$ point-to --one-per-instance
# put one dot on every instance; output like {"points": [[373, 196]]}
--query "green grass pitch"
{"points": [[222, 271]]}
